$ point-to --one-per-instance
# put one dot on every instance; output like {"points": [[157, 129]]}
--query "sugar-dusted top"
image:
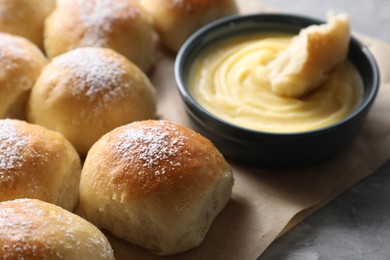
{"points": [[18, 157], [12, 144], [99, 18], [154, 147], [32, 229], [154, 158], [16, 51], [94, 73], [29, 155]]}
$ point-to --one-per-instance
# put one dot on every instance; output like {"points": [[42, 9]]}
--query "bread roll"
{"points": [[37, 163], [311, 58], [21, 62], [87, 92], [121, 25], [176, 20], [33, 229], [25, 18], [155, 184]]}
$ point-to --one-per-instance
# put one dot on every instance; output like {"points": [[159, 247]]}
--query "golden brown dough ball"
{"points": [[121, 25], [33, 229], [87, 92], [37, 163], [25, 18], [176, 20], [156, 184], [21, 62]]}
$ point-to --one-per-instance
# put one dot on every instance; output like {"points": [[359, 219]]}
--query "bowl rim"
{"points": [[192, 105]]}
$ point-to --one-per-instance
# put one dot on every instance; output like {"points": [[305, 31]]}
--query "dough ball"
{"points": [[21, 62], [25, 18], [87, 92], [33, 229], [155, 184], [37, 163], [121, 25], [176, 20]]}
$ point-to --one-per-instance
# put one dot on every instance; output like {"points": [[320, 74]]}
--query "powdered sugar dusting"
{"points": [[17, 227], [12, 52], [8, 47], [156, 146], [11, 147], [24, 221], [98, 17], [15, 153], [94, 75]]}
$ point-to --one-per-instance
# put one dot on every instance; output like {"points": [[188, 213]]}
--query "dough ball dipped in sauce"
{"points": [[278, 82], [311, 58]]}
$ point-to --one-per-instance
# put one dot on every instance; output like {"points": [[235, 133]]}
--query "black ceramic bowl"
{"points": [[266, 148]]}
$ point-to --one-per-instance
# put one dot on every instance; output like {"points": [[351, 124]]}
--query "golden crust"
{"points": [[37, 163], [155, 184], [21, 62], [121, 25], [87, 92], [25, 18], [154, 157], [32, 229], [176, 20]]}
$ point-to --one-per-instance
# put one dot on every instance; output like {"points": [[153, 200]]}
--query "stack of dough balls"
{"points": [[25, 18], [121, 25], [32, 229], [155, 184], [21, 62], [89, 91], [176, 20], [37, 163]]}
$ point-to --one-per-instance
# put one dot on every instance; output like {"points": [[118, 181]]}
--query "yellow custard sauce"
{"points": [[230, 80]]}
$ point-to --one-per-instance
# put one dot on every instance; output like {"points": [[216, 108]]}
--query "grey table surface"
{"points": [[356, 225]]}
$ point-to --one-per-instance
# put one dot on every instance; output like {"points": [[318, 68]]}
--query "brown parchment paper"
{"points": [[265, 203]]}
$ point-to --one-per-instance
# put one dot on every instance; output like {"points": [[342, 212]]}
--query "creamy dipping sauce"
{"points": [[230, 80]]}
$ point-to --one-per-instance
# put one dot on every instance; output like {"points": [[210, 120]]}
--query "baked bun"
{"points": [[155, 184], [33, 229], [37, 163], [21, 62], [87, 92], [121, 25], [25, 18], [176, 20]]}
